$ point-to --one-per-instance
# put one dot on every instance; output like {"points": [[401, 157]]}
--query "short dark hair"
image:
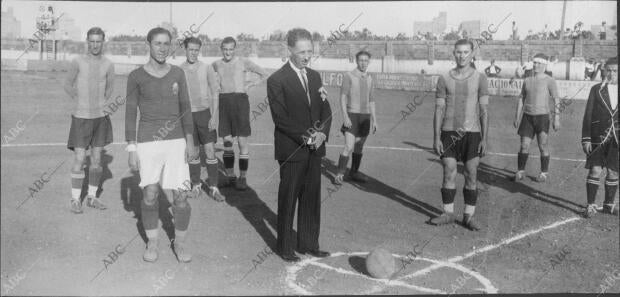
{"points": [[95, 31], [228, 39], [612, 61], [362, 53], [296, 34], [193, 40], [464, 41], [157, 31]]}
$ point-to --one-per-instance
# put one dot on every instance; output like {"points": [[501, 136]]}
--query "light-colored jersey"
{"points": [[462, 98], [93, 79], [231, 74], [358, 87], [201, 84]]}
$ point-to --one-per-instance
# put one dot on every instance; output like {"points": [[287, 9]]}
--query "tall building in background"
{"points": [[436, 26], [11, 27], [473, 28]]}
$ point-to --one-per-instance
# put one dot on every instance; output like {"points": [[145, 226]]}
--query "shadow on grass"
{"points": [[503, 178], [329, 170]]}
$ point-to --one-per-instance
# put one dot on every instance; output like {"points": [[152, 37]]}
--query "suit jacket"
{"points": [[600, 122], [293, 117]]}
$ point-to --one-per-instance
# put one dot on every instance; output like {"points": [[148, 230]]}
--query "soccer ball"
{"points": [[380, 263]]}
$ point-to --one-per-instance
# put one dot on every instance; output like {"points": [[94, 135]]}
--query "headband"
{"points": [[541, 61]]}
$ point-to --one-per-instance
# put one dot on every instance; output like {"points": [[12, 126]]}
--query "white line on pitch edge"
{"points": [[407, 149], [490, 247]]}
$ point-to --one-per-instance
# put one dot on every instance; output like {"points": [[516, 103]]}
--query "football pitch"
{"points": [[533, 237]]}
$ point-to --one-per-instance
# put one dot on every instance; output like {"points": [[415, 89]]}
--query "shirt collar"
{"points": [[295, 68], [360, 73]]}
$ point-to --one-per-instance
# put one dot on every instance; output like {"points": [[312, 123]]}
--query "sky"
{"points": [[262, 18]]}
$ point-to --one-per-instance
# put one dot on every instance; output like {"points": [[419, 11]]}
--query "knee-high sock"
{"points": [[228, 157], [212, 172], [77, 178], [591, 188], [447, 197], [150, 215], [94, 177], [470, 197], [342, 164], [181, 216], [356, 160], [522, 160], [244, 161], [544, 163], [611, 186], [194, 171]]}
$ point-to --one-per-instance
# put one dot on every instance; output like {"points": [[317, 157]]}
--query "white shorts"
{"points": [[163, 162]]}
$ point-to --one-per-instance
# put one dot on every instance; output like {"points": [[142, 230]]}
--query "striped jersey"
{"points": [[92, 79], [201, 84], [536, 93], [357, 86], [462, 98], [231, 74]]}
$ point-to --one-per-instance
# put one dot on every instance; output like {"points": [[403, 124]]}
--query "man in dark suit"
{"points": [[599, 139], [302, 118]]}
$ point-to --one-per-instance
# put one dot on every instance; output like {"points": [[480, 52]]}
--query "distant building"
{"points": [[11, 27], [436, 26], [473, 28]]}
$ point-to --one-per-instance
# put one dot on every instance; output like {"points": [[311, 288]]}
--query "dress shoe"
{"points": [[290, 258], [316, 253]]}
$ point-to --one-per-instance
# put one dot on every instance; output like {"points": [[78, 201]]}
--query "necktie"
{"points": [[305, 79]]}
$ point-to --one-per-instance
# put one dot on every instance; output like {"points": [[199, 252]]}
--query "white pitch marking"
{"points": [[292, 274], [383, 281], [406, 149], [451, 262], [490, 247]]}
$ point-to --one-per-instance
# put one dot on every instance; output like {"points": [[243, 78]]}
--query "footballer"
{"points": [[234, 108], [158, 146], [461, 126], [358, 113], [90, 84]]}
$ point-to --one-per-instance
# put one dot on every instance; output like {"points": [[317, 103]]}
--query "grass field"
{"points": [[533, 239]]}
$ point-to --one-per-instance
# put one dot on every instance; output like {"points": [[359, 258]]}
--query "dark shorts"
{"points": [[360, 124], [462, 147], [234, 115], [533, 124], [202, 133], [604, 155], [86, 133]]}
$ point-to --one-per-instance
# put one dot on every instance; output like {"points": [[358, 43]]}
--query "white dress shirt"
{"points": [[612, 90], [302, 79]]}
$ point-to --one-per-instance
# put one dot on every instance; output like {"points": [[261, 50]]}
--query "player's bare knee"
{"points": [[612, 174], [525, 147], [79, 156], [180, 199], [348, 148], [595, 171], [150, 194], [95, 161], [210, 151]]}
